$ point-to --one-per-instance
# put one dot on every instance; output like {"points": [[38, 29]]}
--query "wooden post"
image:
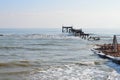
{"points": [[115, 44]]}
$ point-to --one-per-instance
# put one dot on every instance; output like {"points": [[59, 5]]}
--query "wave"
{"points": [[24, 63], [10, 47], [47, 44], [41, 36], [75, 72], [33, 48], [88, 63]]}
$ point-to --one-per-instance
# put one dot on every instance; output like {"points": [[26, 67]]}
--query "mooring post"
{"points": [[115, 44]]}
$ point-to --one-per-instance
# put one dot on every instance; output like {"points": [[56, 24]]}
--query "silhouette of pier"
{"points": [[78, 32]]}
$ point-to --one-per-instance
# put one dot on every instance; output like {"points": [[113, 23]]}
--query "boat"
{"points": [[109, 51], [102, 55]]}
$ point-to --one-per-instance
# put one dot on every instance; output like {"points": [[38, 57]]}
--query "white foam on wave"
{"points": [[75, 72], [43, 36]]}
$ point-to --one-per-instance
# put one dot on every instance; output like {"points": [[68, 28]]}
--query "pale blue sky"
{"points": [[55, 13]]}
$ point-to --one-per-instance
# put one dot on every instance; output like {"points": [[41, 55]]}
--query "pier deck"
{"points": [[78, 32]]}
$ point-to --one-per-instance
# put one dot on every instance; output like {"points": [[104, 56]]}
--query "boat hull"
{"points": [[102, 55]]}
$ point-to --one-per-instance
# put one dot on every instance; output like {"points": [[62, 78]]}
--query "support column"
{"points": [[115, 44]]}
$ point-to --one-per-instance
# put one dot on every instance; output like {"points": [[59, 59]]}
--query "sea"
{"points": [[49, 54]]}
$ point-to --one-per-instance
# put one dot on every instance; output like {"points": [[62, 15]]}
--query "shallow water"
{"points": [[53, 56]]}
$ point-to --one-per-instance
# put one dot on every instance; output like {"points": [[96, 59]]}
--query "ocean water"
{"points": [[48, 54]]}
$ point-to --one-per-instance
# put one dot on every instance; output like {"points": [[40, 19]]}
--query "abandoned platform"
{"points": [[78, 32]]}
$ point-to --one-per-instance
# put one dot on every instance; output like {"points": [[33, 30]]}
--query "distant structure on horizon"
{"points": [[78, 32]]}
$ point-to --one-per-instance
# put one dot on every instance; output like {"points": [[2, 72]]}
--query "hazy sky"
{"points": [[55, 13]]}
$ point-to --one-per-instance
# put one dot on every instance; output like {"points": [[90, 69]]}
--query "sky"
{"points": [[55, 13]]}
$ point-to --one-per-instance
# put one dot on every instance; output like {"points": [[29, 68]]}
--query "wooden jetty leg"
{"points": [[67, 29], [62, 29], [70, 30]]}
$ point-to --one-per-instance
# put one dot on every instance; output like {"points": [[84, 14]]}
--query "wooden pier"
{"points": [[78, 32]]}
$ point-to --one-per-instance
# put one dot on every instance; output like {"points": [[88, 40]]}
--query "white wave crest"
{"points": [[73, 72], [46, 36]]}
